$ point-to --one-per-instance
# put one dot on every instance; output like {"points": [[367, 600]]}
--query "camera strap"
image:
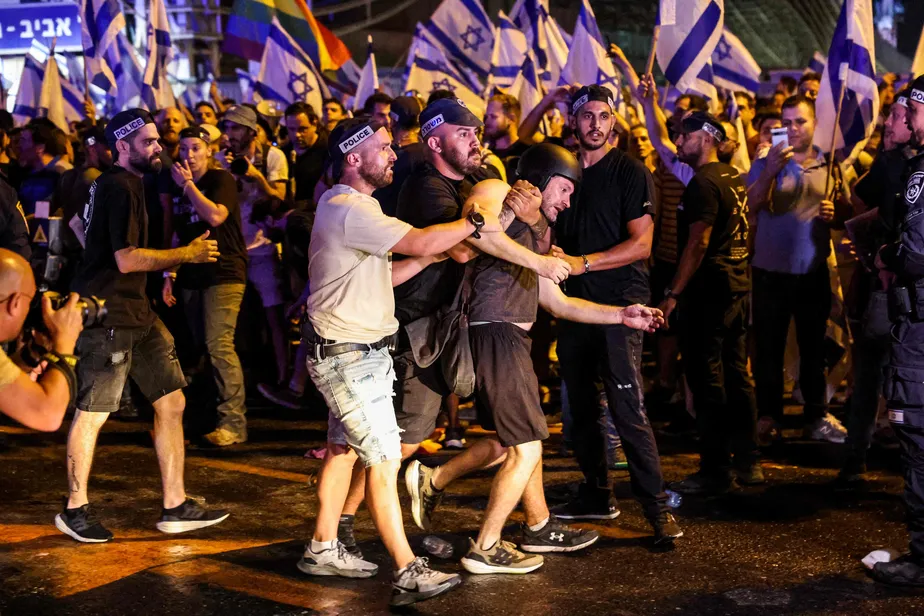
{"points": [[65, 365]]}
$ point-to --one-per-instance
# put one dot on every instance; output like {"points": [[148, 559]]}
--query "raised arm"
{"points": [[655, 120], [211, 212], [530, 124], [622, 63]]}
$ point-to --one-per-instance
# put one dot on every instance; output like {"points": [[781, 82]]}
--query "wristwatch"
{"points": [[669, 293], [478, 220]]}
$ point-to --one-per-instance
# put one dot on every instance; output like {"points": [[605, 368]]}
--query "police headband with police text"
{"points": [[917, 95], [713, 131], [124, 131], [576, 105], [354, 140]]}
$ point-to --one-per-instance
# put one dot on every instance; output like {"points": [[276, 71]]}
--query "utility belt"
{"points": [[906, 302], [322, 348]]}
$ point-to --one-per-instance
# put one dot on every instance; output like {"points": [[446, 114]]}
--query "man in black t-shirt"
{"points": [[14, 232], [711, 286], [501, 124], [607, 235], [205, 201], [310, 146], [405, 123], [133, 342]]}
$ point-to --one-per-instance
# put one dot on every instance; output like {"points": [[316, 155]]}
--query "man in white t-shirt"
{"points": [[351, 310], [263, 179]]}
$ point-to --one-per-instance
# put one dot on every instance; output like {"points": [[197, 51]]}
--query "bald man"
{"points": [[38, 404]]}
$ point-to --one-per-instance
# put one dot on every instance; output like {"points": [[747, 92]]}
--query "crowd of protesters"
{"points": [[226, 252]]}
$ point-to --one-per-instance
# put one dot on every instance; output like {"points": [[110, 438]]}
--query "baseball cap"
{"points": [[196, 132], [350, 134], [917, 90], [701, 120], [591, 93], [447, 111], [93, 135], [239, 114], [212, 130], [124, 123], [405, 111]]}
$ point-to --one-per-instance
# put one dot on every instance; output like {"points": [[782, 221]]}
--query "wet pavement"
{"points": [[791, 547]]}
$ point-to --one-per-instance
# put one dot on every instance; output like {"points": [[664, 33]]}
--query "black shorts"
{"points": [[419, 396], [109, 355], [506, 387]]}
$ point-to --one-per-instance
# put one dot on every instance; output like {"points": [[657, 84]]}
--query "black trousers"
{"points": [[611, 354], [713, 339], [904, 392], [778, 298]]}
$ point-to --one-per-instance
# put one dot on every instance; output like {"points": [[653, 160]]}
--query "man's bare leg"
{"points": [[382, 500], [168, 443], [507, 489], [534, 505], [483, 453], [357, 492], [81, 444], [333, 485]]}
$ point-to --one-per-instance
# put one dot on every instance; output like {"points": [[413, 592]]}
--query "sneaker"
{"points": [[616, 459], [703, 483], [346, 537], [581, 509], [222, 437], [768, 430], [828, 428], [81, 524], [503, 557], [666, 529], [903, 571], [336, 561], [751, 476], [283, 396], [418, 582], [189, 516], [454, 438], [424, 497], [557, 537]]}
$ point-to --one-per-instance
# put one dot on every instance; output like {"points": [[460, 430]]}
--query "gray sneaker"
{"points": [[418, 582], [336, 561], [828, 428], [424, 497], [504, 557]]}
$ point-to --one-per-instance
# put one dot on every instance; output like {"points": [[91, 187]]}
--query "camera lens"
{"points": [[239, 166]]}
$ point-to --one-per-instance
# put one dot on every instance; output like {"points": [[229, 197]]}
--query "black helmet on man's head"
{"points": [[543, 161]]}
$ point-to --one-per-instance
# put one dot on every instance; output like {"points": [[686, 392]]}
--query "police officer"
{"points": [[904, 378]]}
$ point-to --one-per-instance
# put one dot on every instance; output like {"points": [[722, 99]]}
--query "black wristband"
{"points": [[65, 365]]}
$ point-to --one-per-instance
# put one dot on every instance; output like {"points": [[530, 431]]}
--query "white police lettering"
{"points": [[612, 103], [917, 96], [709, 128], [459, 100], [913, 187], [427, 128], [355, 140], [579, 103], [902, 100], [128, 129]]}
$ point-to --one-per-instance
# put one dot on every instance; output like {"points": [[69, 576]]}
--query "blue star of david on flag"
{"points": [[299, 86], [472, 38], [723, 49], [604, 79], [444, 85]]}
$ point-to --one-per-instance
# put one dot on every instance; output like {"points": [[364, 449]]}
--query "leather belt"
{"points": [[323, 349]]}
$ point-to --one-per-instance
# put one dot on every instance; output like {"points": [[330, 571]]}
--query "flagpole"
{"points": [[655, 35], [667, 89], [842, 74]]}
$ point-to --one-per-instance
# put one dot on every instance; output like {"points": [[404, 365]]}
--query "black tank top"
{"points": [[503, 291]]}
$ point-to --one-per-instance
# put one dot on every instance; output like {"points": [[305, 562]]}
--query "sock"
{"points": [[540, 525], [490, 547], [320, 546], [346, 518], [433, 487]]}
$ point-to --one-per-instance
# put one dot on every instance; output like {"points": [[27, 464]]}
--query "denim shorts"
{"points": [[358, 387], [110, 355]]}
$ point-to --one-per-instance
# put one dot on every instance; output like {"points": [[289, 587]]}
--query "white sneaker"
{"points": [[418, 582], [336, 561], [828, 428]]}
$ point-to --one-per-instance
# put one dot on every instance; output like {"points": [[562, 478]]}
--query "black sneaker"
{"points": [[189, 516], [346, 537], [703, 483], [616, 459], [418, 582], [424, 497], [557, 537], [81, 524], [582, 509], [666, 529], [903, 571]]}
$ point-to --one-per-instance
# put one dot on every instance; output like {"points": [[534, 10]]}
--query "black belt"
{"points": [[322, 348]]}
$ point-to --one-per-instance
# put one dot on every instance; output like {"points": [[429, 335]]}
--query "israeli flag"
{"points": [[464, 32], [527, 87], [426, 76], [101, 22], [544, 38], [588, 62], [509, 53], [156, 92], [733, 66], [690, 31], [29, 103], [740, 158], [424, 45], [852, 56], [287, 74], [128, 73], [704, 86], [247, 84], [817, 63], [368, 80]]}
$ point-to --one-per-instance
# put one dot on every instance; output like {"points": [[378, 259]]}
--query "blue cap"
{"points": [[446, 111]]}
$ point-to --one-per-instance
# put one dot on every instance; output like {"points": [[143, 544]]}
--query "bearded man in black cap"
{"points": [[609, 230], [134, 342]]}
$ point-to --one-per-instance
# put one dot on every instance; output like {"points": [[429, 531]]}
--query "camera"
{"points": [[238, 165], [93, 312]]}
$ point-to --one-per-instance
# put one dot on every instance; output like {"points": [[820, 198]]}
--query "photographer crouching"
{"points": [[37, 403]]}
